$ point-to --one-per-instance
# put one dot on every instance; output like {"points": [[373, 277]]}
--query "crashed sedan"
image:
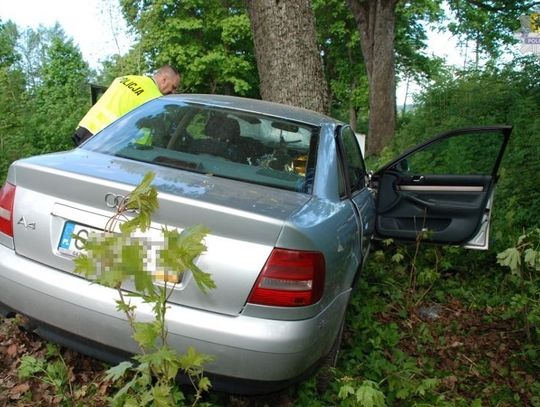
{"points": [[291, 211]]}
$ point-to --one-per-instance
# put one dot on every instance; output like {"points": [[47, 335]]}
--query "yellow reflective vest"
{"points": [[124, 94]]}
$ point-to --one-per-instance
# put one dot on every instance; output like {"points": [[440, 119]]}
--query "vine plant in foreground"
{"points": [[120, 253]]}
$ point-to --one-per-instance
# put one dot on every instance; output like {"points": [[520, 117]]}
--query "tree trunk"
{"points": [[375, 20], [288, 58]]}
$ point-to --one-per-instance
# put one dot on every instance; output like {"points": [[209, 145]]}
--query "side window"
{"points": [[463, 154], [354, 166], [341, 184]]}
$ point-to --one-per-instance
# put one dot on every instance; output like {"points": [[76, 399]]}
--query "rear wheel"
{"points": [[324, 375]]}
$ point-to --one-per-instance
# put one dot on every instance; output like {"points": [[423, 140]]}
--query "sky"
{"points": [[90, 23]]}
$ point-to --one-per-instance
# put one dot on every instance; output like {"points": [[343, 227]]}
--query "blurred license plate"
{"points": [[69, 244]]}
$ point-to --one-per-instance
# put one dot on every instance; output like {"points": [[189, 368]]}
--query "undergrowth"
{"points": [[454, 337]]}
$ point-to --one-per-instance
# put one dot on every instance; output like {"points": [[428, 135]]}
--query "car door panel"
{"points": [[442, 206]]}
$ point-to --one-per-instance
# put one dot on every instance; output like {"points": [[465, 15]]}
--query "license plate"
{"points": [[69, 242]]}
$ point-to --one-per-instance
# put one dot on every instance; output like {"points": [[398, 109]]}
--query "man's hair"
{"points": [[167, 70]]}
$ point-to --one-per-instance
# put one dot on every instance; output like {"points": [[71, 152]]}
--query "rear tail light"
{"points": [[290, 278], [7, 196]]}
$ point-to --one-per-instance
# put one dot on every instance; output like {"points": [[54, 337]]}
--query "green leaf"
{"points": [[130, 225], [192, 362], [532, 259], [52, 350], [30, 366], [124, 307], [369, 395], [181, 251], [345, 391], [425, 385], [476, 403], [57, 371], [204, 384], [85, 266], [146, 333], [142, 200], [161, 395], [511, 258], [132, 402], [118, 371]]}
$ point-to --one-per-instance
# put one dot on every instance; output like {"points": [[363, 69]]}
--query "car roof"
{"points": [[257, 106]]}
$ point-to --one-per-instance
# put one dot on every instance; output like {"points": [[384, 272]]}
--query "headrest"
{"points": [[221, 127]]}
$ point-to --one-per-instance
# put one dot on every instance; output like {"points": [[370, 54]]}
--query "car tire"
{"points": [[325, 373]]}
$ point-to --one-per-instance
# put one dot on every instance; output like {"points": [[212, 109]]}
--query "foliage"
{"points": [[489, 24], [209, 41], [51, 370], [111, 259], [63, 82], [451, 342], [367, 394], [342, 61], [45, 82], [131, 63], [8, 41], [12, 100], [523, 260], [412, 19]]}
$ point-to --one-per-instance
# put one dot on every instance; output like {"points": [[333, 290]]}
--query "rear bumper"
{"points": [[84, 316]]}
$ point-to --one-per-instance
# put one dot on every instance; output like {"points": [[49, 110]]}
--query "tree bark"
{"points": [[376, 20], [288, 59]]}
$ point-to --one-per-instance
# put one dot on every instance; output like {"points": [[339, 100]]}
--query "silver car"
{"points": [[291, 209]]}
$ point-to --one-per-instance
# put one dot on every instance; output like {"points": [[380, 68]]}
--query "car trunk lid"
{"points": [[81, 187]]}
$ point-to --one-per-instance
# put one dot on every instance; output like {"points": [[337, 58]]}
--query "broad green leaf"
{"points": [[181, 250], [193, 361], [161, 395], [204, 384], [510, 258], [30, 366], [345, 391], [143, 200], [369, 395], [132, 402], [146, 334], [532, 258], [85, 266], [118, 371], [52, 350]]}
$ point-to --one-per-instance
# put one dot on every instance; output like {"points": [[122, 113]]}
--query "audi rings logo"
{"points": [[116, 201]]}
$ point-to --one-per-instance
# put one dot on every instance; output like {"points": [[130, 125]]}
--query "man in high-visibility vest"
{"points": [[125, 94]]}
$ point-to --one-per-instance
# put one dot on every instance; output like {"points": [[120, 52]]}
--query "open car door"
{"points": [[442, 189]]}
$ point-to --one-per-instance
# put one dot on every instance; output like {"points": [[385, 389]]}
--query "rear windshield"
{"points": [[218, 142]]}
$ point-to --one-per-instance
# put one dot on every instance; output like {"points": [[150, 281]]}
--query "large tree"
{"points": [[288, 57], [376, 21]]}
